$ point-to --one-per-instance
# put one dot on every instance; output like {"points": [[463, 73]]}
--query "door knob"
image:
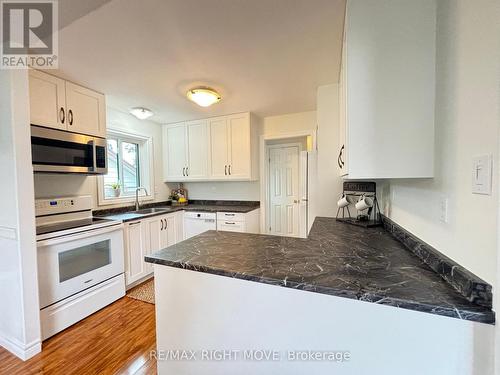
{"points": [[295, 201]]}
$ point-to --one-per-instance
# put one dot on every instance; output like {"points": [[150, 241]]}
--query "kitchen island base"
{"points": [[209, 324]]}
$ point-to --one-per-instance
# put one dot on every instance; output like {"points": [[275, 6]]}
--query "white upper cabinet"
{"points": [[387, 90], [197, 137], [59, 104], [185, 151], [239, 146], [47, 100], [86, 110], [219, 148], [175, 154], [234, 153]]}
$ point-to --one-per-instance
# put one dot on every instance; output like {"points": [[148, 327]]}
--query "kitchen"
{"points": [[199, 212]]}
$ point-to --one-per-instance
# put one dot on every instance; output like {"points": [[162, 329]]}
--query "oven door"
{"points": [[69, 264], [64, 152]]}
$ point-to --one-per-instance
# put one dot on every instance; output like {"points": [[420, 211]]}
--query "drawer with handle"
{"points": [[231, 216], [231, 226]]}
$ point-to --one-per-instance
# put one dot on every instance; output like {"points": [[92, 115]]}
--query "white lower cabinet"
{"points": [[145, 236], [238, 221], [136, 248]]}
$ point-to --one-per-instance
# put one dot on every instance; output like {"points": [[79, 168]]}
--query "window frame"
{"points": [[146, 167]]}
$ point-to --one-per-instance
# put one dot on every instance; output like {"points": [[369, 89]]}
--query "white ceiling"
{"points": [[71, 10], [263, 56]]}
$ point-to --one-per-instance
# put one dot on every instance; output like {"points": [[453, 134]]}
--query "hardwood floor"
{"points": [[115, 340]]}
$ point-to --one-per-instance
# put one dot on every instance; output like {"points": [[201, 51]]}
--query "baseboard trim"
{"points": [[19, 349]]}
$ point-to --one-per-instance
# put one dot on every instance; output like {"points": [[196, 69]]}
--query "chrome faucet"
{"points": [[137, 196]]}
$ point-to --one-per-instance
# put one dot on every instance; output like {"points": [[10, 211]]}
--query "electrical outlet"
{"points": [[443, 210]]}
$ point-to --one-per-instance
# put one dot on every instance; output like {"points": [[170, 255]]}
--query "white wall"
{"points": [[19, 307], [467, 120], [289, 123], [66, 185]]}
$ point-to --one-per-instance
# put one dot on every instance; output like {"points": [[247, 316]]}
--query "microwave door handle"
{"points": [[94, 157]]}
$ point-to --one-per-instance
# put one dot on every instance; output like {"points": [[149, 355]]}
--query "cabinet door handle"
{"points": [[227, 222], [70, 117], [342, 153], [62, 115], [184, 171], [229, 169], [135, 223], [225, 170], [187, 171], [166, 223], [161, 224]]}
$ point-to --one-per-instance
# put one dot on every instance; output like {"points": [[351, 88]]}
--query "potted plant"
{"points": [[116, 189]]}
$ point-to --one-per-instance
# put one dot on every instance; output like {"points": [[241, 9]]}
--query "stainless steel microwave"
{"points": [[58, 151]]}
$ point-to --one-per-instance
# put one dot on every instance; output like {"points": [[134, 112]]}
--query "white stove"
{"points": [[62, 216], [80, 261]]}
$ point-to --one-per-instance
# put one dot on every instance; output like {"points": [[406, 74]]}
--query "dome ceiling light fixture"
{"points": [[203, 96], [141, 113]]}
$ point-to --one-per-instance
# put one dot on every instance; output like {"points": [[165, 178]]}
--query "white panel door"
{"points": [[47, 100], [86, 110], [239, 146], [137, 247], [197, 149], [175, 152], [219, 147], [284, 191]]}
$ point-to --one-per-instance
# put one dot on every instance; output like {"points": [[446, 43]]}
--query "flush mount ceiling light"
{"points": [[203, 96], [141, 113]]}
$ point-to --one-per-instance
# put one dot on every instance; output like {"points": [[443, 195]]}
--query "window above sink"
{"points": [[130, 163]]}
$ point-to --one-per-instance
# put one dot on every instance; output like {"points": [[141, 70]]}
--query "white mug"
{"points": [[345, 201], [364, 203]]}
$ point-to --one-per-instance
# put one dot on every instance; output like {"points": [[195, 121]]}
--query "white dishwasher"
{"points": [[199, 222]]}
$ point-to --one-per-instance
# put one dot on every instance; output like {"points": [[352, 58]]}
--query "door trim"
{"points": [[262, 169]]}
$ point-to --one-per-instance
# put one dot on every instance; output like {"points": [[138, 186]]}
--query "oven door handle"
{"points": [[79, 236]]}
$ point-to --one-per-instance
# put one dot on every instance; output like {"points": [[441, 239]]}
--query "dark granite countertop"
{"points": [[337, 259], [127, 213]]}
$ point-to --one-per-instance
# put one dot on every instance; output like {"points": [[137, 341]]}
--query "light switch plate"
{"points": [[482, 167]]}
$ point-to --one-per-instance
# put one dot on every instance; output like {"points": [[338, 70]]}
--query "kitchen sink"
{"points": [[146, 211]]}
